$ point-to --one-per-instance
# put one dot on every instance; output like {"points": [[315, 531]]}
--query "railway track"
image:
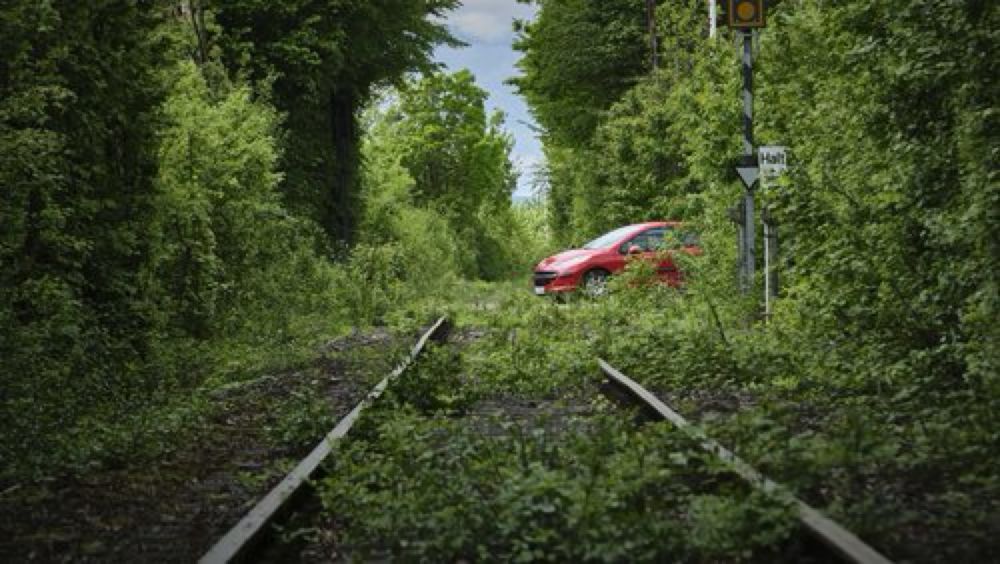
{"points": [[241, 541], [838, 539]]}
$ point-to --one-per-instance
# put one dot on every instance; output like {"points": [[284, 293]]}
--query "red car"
{"points": [[589, 267]]}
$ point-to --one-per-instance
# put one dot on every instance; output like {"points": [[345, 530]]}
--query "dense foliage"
{"points": [[506, 439], [79, 93], [599, 491], [178, 176], [888, 217], [895, 150], [197, 191], [324, 58], [886, 330]]}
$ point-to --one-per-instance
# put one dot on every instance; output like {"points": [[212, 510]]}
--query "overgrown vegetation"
{"points": [[891, 467], [881, 360], [177, 214], [434, 489], [197, 192]]}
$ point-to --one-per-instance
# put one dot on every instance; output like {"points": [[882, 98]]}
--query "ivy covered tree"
{"points": [[79, 89], [324, 58], [579, 57]]}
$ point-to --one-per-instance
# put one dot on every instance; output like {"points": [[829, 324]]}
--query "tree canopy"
{"points": [[456, 159], [176, 175], [579, 57], [324, 58]]}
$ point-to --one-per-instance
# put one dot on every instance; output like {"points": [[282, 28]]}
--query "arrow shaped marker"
{"points": [[748, 174]]}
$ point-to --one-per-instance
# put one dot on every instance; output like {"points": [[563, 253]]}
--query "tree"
{"points": [[324, 57], [579, 57], [457, 159], [458, 156], [79, 87], [614, 154]]}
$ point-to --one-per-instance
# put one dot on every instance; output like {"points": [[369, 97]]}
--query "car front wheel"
{"points": [[594, 283]]}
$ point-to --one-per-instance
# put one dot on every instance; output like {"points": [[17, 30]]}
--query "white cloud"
{"points": [[486, 25], [488, 20]]}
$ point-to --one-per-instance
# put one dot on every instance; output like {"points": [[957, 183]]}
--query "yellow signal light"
{"points": [[746, 14]]}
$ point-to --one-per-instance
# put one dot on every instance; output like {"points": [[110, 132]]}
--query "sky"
{"points": [[485, 25]]}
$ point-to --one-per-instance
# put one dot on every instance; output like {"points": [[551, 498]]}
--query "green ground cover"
{"points": [[424, 466]]}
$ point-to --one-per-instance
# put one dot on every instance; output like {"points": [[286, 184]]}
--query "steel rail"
{"points": [[236, 544], [845, 543]]}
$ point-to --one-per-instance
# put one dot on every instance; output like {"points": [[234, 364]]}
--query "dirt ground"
{"points": [[173, 509]]}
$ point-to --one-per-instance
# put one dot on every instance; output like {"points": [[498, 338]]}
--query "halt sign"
{"points": [[772, 160]]}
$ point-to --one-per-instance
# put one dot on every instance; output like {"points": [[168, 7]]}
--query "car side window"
{"points": [[649, 240], [690, 239]]}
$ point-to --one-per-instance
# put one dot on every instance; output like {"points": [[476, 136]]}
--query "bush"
{"points": [[439, 490]]}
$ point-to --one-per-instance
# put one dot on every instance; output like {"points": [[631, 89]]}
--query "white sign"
{"points": [[772, 160]]}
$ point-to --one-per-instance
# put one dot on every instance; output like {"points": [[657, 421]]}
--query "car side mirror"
{"points": [[634, 249]]}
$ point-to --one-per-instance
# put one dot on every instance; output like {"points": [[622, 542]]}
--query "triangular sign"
{"points": [[748, 174]]}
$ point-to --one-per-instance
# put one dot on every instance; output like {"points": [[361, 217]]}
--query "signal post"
{"points": [[745, 16]]}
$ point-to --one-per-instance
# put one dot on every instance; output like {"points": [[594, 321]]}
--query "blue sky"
{"points": [[485, 25]]}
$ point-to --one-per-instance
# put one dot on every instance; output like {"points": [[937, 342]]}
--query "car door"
{"points": [[652, 248], [658, 252]]}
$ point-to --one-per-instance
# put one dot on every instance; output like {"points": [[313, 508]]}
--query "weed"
{"points": [[436, 490]]}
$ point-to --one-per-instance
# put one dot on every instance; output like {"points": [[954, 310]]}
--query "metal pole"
{"points": [[711, 18], [651, 25], [770, 260], [767, 264], [736, 215], [749, 230]]}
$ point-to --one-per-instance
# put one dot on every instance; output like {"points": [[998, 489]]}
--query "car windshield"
{"points": [[609, 238]]}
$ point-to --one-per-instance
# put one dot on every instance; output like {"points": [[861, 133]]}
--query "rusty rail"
{"points": [[845, 543], [236, 544]]}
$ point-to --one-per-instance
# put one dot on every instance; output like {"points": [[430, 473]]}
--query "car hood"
{"points": [[554, 261]]}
